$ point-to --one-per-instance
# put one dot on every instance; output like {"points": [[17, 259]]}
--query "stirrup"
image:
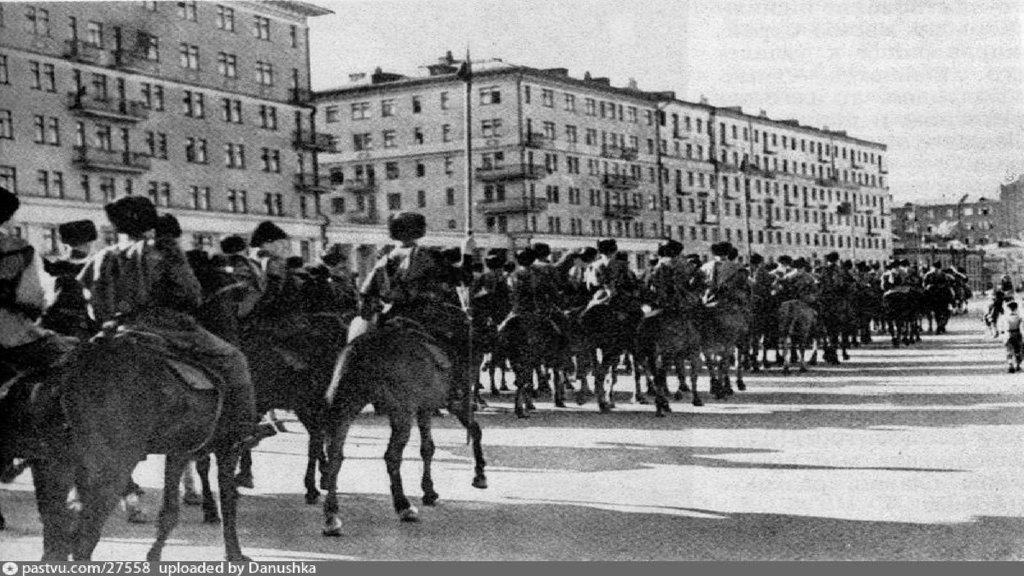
{"points": [[258, 433]]}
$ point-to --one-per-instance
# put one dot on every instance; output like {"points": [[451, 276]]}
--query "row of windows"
{"points": [[94, 188]]}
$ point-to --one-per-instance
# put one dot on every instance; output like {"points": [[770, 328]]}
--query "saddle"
{"points": [[188, 368]]}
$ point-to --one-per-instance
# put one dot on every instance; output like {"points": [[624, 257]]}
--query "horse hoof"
{"points": [[244, 481], [138, 517], [505, 388], [522, 414], [430, 499], [239, 558], [211, 518], [679, 394], [659, 414], [332, 528], [494, 391], [803, 369], [697, 401], [846, 356], [192, 499], [480, 482], [153, 556], [785, 370], [580, 399], [312, 498], [604, 408], [559, 404], [741, 386], [410, 514], [640, 400]]}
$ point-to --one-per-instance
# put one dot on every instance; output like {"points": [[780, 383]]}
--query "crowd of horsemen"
{"points": [[541, 317]]}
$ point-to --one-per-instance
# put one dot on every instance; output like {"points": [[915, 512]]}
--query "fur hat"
{"points": [[77, 232], [452, 255], [407, 226], [525, 257], [588, 254], [670, 248], [721, 249], [509, 266], [494, 262], [756, 259], [132, 215], [786, 260], [233, 245], [607, 246], [266, 233], [335, 255], [832, 257], [9, 204], [167, 226], [294, 262], [541, 250], [801, 263]]}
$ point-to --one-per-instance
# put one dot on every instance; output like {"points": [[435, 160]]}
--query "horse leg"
{"points": [[694, 366], [600, 373], [174, 466], [339, 421], [522, 393], [244, 476], [314, 454], [560, 384], [740, 384], [658, 374], [401, 427], [188, 482], [210, 513], [427, 454], [639, 396], [476, 436], [103, 478], [53, 480], [227, 459]]}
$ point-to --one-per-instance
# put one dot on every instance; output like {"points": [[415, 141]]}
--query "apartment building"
{"points": [[202, 106], [568, 160], [971, 223]]}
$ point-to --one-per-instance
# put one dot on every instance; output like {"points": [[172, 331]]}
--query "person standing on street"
{"points": [[1009, 327]]}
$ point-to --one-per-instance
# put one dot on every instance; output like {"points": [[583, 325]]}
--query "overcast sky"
{"points": [[941, 82]]}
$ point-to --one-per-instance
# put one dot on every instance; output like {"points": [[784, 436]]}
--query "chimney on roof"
{"points": [[762, 113], [448, 58], [586, 75], [703, 99], [633, 85], [357, 77]]}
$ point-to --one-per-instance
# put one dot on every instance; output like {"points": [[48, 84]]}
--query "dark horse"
{"points": [[407, 375], [120, 400], [938, 301], [901, 309], [532, 343], [669, 338], [611, 328]]}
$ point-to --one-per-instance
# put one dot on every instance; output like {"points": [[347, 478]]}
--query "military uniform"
{"points": [[798, 284], [611, 281]]}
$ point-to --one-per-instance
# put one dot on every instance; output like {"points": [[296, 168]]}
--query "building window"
{"points": [[187, 10], [153, 96], [94, 33], [387, 108], [37, 21], [421, 169], [446, 133], [417, 105], [268, 117], [231, 110], [265, 73], [238, 201], [360, 110], [43, 77], [149, 46], [271, 160], [102, 139], [195, 150], [362, 142], [293, 34], [227, 65], [273, 204], [261, 27], [225, 18], [449, 197], [570, 103], [52, 183], [193, 104], [234, 155], [491, 128], [188, 56], [5, 76], [389, 138], [417, 135], [444, 100], [331, 114], [9, 178], [6, 125], [547, 97], [490, 95], [394, 201], [421, 198], [200, 198]]}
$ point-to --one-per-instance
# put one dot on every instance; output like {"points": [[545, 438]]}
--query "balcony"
{"points": [[359, 186], [108, 109], [307, 183], [519, 205], [619, 153], [368, 218], [621, 212], [620, 182], [111, 160], [630, 154], [726, 167], [538, 140], [79, 51], [305, 140], [711, 220], [513, 172], [833, 183], [755, 171], [134, 61]]}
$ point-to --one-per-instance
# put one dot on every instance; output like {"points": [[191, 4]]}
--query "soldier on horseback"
{"points": [[26, 291], [69, 314], [147, 286], [611, 279]]}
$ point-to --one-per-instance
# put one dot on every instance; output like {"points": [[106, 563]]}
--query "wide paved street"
{"points": [[898, 454]]}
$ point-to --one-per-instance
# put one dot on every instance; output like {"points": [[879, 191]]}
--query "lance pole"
{"points": [[466, 74]]}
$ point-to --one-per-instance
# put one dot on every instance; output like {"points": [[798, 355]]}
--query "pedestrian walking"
{"points": [[1009, 327]]}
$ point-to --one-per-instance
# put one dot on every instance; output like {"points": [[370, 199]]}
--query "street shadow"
{"points": [[525, 528]]}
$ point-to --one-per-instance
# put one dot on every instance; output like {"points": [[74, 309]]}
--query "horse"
{"points": [[407, 375], [796, 323], [664, 338], [611, 328], [901, 312], [721, 329], [937, 302], [532, 343]]}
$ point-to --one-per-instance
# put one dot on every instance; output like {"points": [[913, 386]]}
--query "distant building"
{"points": [[974, 262], [203, 107], [971, 223], [569, 160]]}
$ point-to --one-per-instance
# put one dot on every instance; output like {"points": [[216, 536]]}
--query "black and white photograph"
{"points": [[288, 282]]}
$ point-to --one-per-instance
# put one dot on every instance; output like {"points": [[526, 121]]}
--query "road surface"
{"points": [[898, 454]]}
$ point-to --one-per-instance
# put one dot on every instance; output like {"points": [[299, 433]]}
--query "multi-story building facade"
{"points": [[202, 106], [566, 160], [971, 223]]}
